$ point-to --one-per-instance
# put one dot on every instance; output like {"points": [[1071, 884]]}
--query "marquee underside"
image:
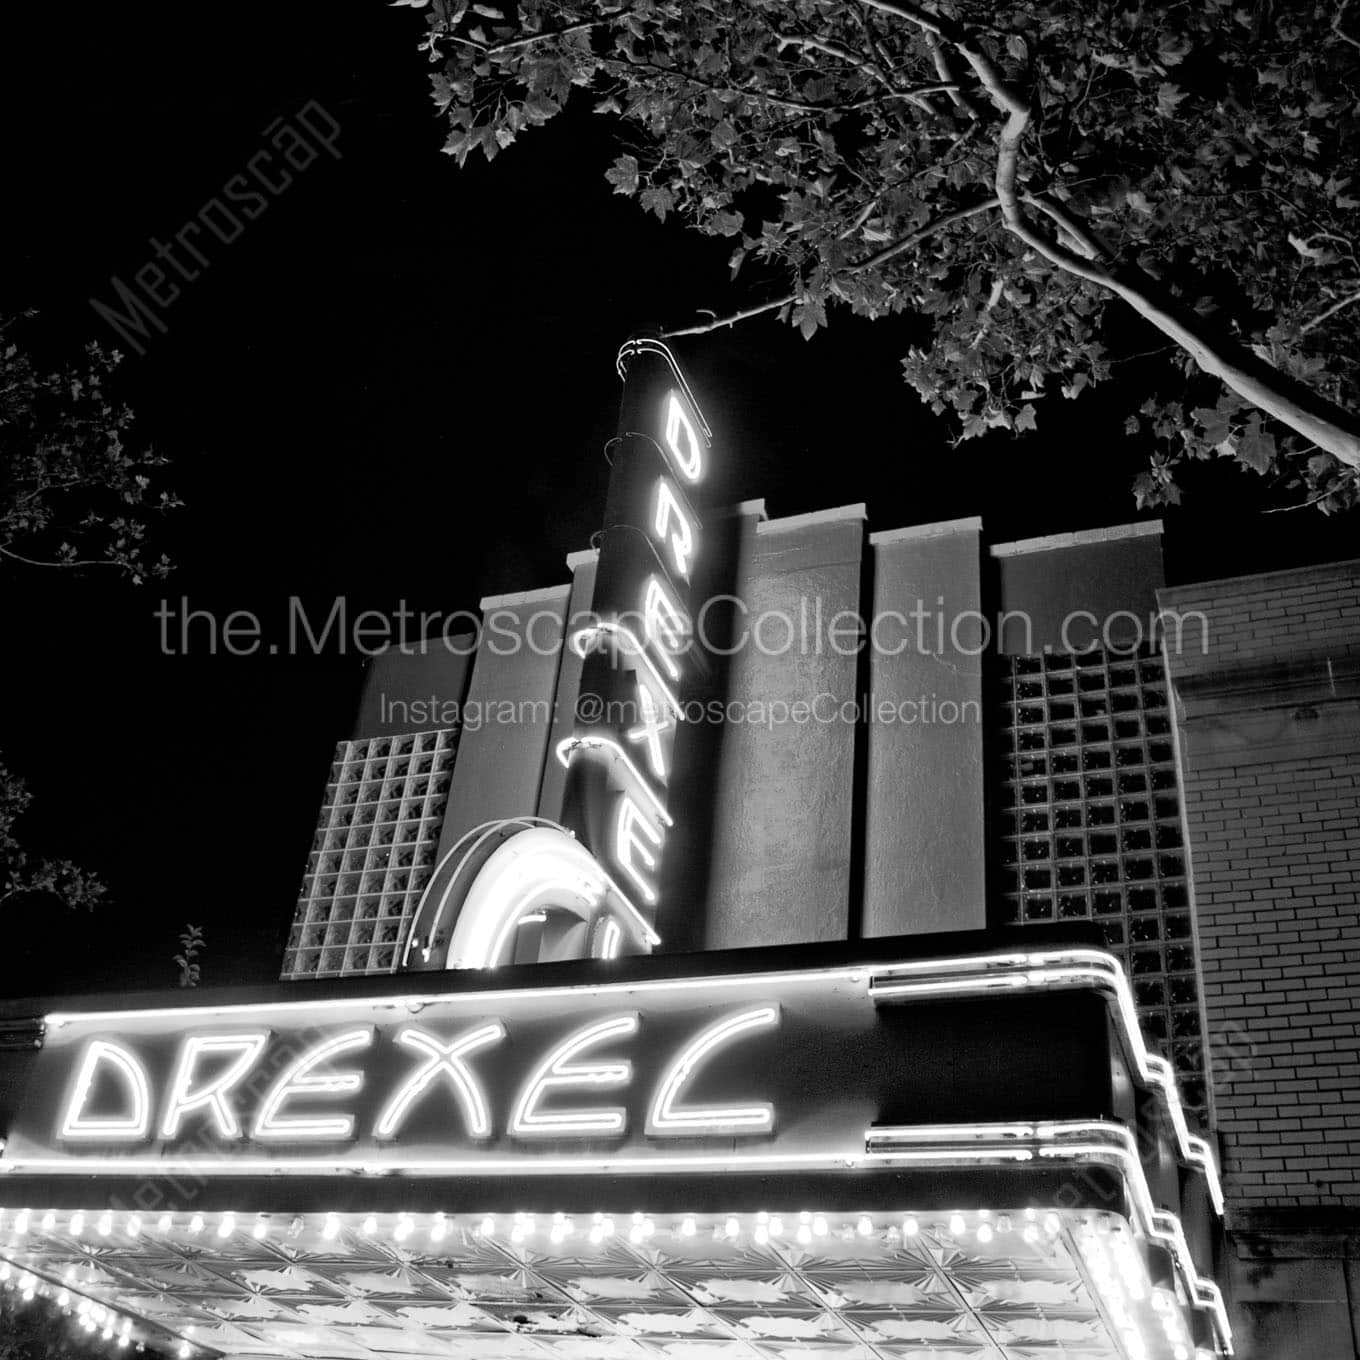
{"points": [[774, 1286]]}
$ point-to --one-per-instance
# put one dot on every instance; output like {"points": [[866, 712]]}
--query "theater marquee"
{"points": [[1008, 1095]]}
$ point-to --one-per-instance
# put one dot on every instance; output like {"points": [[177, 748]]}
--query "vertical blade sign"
{"points": [[639, 646]]}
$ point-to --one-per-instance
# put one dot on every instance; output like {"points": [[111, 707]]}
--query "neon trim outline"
{"points": [[1060, 968], [537, 867], [646, 345], [1036, 970]]}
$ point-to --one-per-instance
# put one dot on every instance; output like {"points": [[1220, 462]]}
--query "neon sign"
{"points": [[730, 1072], [542, 1108], [522, 887], [637, 651]]}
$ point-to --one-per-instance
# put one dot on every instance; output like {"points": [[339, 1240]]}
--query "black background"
{"points": [[395, 387]]}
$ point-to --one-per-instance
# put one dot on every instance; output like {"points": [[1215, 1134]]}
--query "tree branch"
{"points": [[512, 44], [779, 101], [945, 70], [1330, 312], [858, 267], [1265, 387], [1336, 24], [870, 68], [36, 562]]}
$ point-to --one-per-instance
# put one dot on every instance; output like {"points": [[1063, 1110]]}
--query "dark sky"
{"points": [[393, 387]]}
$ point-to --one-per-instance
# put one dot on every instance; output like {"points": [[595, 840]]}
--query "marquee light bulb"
{"points": [[164, 1223], [984, 1232], [261, 1228], [196, 1224], [77, 1225], [687, 1226], [819, 1226], [331, 1229], [370, 1226], [865, 1225], [910, 1226], [487, 1227], [134, 1225], [104, 1226], [732, 1228], [957, 1225]]}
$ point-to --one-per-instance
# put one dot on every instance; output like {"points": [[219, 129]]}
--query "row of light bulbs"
{"points": [[1116, 1267], [1121, 1279], [761, 1227], [91, 1316]]}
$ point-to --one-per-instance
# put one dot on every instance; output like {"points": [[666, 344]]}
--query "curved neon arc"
{"points": [[539, 868], [646, 345]]}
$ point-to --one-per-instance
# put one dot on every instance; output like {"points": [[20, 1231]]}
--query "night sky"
{"points": [[394, 387]]}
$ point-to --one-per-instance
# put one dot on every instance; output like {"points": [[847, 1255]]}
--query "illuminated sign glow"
{"points": [[555, 1072], [635, 842], [442, 1060], [539, 869], [682, 441], [130, 1127], [673, 527], [665, 1118], [647, 557], [212, 1095], [798, 1070], [665, 625], [299, 1080]]}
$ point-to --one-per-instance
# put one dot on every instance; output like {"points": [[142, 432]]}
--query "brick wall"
{"points": [[1268, 726]]}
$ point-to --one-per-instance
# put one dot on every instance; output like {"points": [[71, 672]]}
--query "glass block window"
{"points": [[1088, 827], [372, 856]]}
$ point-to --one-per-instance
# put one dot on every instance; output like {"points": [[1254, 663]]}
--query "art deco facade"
{"points": [[885, 979]]}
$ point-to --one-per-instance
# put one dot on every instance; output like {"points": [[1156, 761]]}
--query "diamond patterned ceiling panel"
{"points": [[399, 1287]]}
